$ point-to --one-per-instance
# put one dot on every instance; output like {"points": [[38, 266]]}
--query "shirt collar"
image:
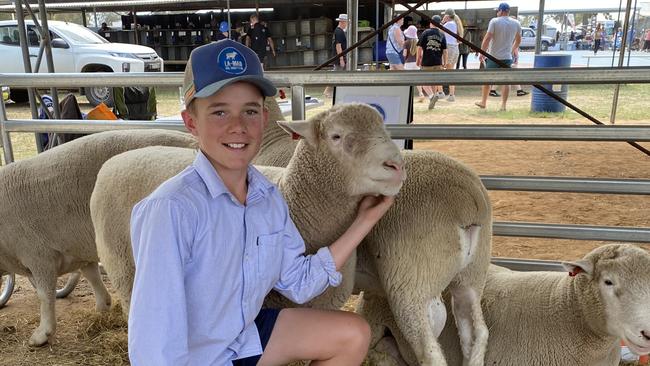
{"points": [[258, 185]]}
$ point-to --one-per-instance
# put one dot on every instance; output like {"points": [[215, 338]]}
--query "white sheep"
{"points": [[437, 233], [556, 319], [46, 227]]}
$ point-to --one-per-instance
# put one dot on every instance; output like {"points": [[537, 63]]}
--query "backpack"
{"points": [[135, 102]]}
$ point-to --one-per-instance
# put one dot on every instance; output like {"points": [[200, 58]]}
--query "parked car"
{"points": [[528, 39], [74, 49]]}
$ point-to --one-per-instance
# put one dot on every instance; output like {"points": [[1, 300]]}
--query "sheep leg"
{"points": [[421, 321], [384, 349], [45, 283], [102, 297], [472, 331]]}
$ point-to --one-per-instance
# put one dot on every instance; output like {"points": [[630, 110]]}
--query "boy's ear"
{"points": [[189, 121], [300, 129]]}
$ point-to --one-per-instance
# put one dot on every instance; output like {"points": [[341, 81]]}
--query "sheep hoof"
{"points": [[103, 306], [39, 338]]}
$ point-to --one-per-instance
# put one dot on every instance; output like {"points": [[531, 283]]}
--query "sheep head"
{"points": [[354, 139], [620, 274]]}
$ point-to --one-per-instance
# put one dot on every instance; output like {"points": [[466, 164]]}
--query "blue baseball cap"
{"points": [[503, 7], [223, 26], [216, 65]]}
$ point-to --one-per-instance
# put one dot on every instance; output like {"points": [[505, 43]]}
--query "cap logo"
{"points": [[231, 61]]}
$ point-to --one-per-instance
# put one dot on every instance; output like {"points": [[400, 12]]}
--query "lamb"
{"points": [[443, 197], [551, 318], [46, 227]]}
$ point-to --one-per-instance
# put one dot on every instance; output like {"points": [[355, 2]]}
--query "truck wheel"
{"points": [[19, 95], [544, 46], [99, 94], [7, 282]]}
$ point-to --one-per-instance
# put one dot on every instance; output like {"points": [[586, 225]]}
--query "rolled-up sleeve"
{"points": [[304, 277], [158, 331]]}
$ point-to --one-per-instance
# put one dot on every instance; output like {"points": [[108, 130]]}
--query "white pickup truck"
{"points": [[74, 49], [528, 39]]}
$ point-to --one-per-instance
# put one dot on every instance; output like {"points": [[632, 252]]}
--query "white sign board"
{"points": [[394, 103]]}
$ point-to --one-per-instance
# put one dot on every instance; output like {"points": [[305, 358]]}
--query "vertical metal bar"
{"points": [[540, 25], [297, 102], [83, 18], [135, 27], [6, 141], [377, 35], [48, 54], [618, 21], [95, 16], [27, 64], [629, 49], [229, 24], [621, 58], [353, 36]]}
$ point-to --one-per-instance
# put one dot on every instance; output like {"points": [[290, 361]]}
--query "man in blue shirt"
{"points": [[211, 242]]}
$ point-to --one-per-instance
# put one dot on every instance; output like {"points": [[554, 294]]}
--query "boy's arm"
{"points": [[371, 209], [158, 332]]}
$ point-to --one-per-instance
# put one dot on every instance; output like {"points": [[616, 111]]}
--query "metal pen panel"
{"points": [[570, 184], [575, 232]]}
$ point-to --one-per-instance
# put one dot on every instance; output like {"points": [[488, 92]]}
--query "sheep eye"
{"points": [[336, 137], [609, 283]]}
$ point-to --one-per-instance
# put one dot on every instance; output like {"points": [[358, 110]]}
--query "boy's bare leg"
{"points": [[326, 337]]}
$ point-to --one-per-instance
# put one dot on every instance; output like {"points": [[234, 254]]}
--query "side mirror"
{"points": [[59, 43]]}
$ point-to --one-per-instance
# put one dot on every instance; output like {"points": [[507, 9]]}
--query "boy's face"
{"points": [[228, 126]]}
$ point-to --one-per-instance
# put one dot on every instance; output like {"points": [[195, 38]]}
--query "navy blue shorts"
{"points": [[265, 321]]}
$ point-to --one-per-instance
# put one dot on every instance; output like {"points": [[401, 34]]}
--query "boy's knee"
{"points": [[358, 331]]}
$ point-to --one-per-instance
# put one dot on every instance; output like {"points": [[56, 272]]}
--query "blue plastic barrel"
{"points": [[541, 102]]}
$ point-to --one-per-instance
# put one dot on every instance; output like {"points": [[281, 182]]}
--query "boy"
{"points": [[200, 281]]}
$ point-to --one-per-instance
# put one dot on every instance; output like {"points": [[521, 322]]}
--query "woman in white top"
{"points": [[395, 46], [452, 22], [411, 48]]}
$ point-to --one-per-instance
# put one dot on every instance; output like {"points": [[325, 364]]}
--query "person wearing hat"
{"points": [[223, 32], [258, 38], [452, 22], [410, 61], [197, 235], [339, 44], [502, 41], [432, 55]]}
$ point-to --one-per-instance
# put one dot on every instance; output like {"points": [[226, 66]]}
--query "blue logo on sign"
{"points": [[380, 110], [231, 61]]}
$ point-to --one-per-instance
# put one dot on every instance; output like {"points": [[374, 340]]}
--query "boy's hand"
{"points": [[372, 208]]}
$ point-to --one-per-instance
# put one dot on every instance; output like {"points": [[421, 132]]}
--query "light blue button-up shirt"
{"points": [[204, 263]]}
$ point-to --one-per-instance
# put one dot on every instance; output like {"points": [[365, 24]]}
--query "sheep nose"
{"points": [[646, 335], [392, 164]]}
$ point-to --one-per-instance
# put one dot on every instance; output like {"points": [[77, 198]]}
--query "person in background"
{"points": [[411, 49], [432, 55], [646, 42], [223, 32], [339, 43], [395, 46], [104, 28], [258, 37], [452, 22], [502, 41], [463, 51], [598, 37]]}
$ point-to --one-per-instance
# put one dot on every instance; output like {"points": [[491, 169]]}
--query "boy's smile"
{"points": [[228, 126]]}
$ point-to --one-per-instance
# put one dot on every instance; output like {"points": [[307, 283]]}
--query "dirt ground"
{"points": [[85, 338]]}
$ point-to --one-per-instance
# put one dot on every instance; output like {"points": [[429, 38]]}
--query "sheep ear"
{"points": [[579, 266], [300, 129]]}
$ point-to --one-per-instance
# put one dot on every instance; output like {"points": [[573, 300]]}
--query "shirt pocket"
{"points": [[269, 256]]}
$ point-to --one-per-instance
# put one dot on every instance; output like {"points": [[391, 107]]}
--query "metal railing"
{"points": [[298, 80]]}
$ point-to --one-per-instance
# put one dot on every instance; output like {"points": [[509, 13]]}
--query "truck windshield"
{"points": [[80, 35]]}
